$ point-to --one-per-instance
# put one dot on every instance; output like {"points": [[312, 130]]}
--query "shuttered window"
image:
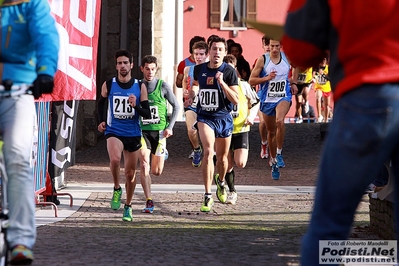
{"points": [[229, 13]]}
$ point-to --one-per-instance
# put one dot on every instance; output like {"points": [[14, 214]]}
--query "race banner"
{"points": [[62, 140], [78, 24]]}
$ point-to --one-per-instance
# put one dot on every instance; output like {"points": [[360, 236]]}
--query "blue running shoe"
{"points": [[149, 207], [197, 158], [280, 161], [275, 172]]}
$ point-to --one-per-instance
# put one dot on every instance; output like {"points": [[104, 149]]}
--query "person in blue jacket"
{"points": [[28, 55]]}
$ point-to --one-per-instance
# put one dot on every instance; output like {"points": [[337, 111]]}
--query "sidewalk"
{"points": [[264, 227]]}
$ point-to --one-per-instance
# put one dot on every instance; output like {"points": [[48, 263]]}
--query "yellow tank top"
{"points": [[322, 83], [305, 76], [240, 111]]}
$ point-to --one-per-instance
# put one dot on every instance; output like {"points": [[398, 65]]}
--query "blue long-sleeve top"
{"points": [[29, 41]]}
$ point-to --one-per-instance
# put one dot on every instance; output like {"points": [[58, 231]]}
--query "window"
{"points": [[229, 13]]}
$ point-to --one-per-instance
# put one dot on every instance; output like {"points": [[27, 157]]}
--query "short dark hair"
{"points": [[194, 40], [210, 38], [149, 59], [230, 59], [201, 45], [266, 40], [126, 53], [218, 39], [236, 44]]}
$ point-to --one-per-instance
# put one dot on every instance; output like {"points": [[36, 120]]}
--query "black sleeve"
{"points": [[144, 109], [196, 73], [230, 76], [102, 106]]}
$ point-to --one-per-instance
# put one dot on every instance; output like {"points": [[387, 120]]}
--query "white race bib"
{"points": [[122, 108], [321, 79], [209, 99], [301, 77], [276, 90], [234, 112]]}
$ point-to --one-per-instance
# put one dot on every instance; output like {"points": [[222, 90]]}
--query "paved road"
{"points": [[264, 227]]}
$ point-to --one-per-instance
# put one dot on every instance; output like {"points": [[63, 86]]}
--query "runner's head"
{"points": [[217, 50], [194, 40], [200, 52], [266, 43], [149, 67], [275, 47], [123, 62]]}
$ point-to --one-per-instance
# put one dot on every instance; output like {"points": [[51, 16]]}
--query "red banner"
{"points": [[78, 27]]}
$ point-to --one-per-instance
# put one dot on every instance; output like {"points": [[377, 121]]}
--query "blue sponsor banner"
{"points": [[40, 149]]}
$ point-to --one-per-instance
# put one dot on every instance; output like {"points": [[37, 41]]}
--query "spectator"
{"points": [[29, 55], [229, 43], [243, 68], [364, 131]]}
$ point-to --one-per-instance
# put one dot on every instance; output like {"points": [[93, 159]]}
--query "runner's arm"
{"points": [[168, 94]]}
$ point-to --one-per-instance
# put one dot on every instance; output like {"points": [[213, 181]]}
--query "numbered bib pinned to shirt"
{"points": [[276, 90], [209, 99], [122, 108]]}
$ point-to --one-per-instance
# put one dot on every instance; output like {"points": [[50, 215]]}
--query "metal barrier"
{"points": [[41, 152], [43, 126]]}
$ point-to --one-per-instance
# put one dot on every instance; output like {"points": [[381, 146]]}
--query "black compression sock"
{"points": [[230, 181]]}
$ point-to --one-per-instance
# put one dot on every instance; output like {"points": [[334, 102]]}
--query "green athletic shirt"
{"points": [[158, 108]]}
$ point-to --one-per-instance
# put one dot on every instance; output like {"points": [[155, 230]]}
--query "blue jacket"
{"points": [[29, 40]]}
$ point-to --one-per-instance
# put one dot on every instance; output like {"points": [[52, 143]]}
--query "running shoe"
{"points": [[21, 255], [275, 172], [299, 120], [280, 161], [116, 199], [264, 151], [149, 207], [232, 198], [191, 155], [221, 192], [207, 204], [127, 214], [320, 119], [197, 158]]}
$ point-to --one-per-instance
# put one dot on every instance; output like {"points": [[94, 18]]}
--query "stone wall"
{"points": [[382, 218], [115, 34]]}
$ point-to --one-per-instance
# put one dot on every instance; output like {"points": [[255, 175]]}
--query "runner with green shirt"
{"points": [[156, 129]]}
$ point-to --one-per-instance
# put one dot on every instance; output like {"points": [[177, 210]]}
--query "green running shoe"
{"points": [[207, 204], [127, 214], [221, 192], [116, 199]]}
